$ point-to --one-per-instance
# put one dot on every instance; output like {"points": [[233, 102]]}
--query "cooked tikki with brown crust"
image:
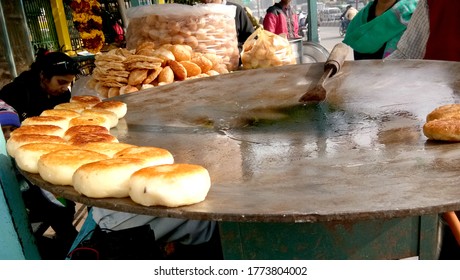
{"points": [[47, 120], [118, 107], [90, 120], [16, 141], [445, 112], [59, 166], [27, 155], [443, 123], [81, 139], [170, 185], [45, 129], [443, 129], [83, 129], [88, 100], [106, 178]]}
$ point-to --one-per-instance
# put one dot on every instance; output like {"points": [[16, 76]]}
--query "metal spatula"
{"points": [[332, 65]]}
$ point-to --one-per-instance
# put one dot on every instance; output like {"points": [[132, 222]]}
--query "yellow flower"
{"points": [[97, 19], [80, 17], [92, 34], [83, 12]]}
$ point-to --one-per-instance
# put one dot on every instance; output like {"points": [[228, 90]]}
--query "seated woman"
{"points": [[45, 85], [375, 31]]}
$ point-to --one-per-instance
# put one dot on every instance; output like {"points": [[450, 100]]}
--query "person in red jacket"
{"points": [[282, 19]]}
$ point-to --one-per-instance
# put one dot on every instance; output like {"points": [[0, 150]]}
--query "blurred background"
{"points": [[28, 25]]}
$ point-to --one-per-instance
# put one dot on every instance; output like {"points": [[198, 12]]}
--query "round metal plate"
{"points": [[360, 154]]}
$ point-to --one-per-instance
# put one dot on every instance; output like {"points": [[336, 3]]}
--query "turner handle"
{"points": [[336, 58]]}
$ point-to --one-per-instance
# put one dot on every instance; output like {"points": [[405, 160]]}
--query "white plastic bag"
{"points": [[207, 28], [264, 49]]}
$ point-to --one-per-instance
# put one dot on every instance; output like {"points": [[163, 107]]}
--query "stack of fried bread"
{"points": [[92, 161], [443, 123], [122, 71]]}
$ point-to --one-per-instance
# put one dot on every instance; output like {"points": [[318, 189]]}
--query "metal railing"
{"points": [[40, 20]]}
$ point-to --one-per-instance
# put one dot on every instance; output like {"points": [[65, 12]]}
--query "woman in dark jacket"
{"points": [[42, 87]]}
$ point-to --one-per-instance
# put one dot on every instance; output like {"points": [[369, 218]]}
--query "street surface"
{"points": [[329, 37]]}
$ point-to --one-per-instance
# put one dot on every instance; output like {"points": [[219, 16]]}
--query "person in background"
{"points": [[375, 31], [42, 87], [282, 19], [243, 25], [45, 85], [303, 23], [433, 34], [255, 22], [349, 13]]}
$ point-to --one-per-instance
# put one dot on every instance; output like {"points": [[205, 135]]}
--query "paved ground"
{"points": [[329, 37]]}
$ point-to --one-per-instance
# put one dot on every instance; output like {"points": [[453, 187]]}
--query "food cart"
{"points": [[351, 177]]}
